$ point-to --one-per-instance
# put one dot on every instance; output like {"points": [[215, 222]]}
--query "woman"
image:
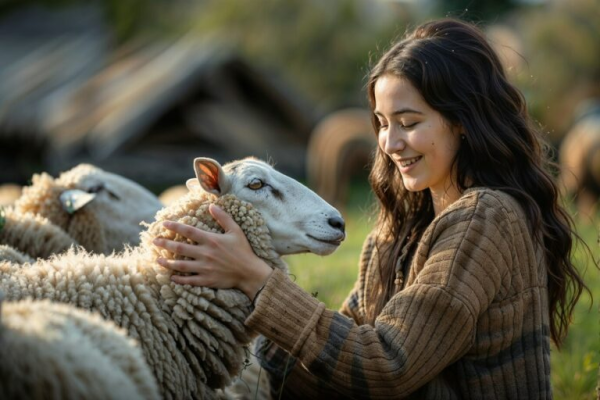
{"points": [[466, 276]]}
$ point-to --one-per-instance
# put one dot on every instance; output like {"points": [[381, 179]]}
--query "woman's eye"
{"points": [[409, 125], [256, 184]]}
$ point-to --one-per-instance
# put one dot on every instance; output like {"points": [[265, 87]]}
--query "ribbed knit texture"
{"points": [[472, 321]]}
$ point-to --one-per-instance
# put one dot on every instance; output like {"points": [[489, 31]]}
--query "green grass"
{"points": [[574, 367]]}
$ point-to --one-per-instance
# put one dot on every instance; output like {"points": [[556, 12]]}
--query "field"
{"points": [[574, 367]]}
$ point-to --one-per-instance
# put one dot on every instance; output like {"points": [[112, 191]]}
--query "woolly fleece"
{"points": [[56, 351], [13, 255], [193, 338], [33, 235]]}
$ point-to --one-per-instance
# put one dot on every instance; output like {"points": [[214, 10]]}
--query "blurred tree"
{"points": [[321, 47], [561, 41], [127, 18], [480, 10]]}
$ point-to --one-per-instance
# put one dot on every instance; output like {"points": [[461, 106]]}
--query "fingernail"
{"points": [[167, 224]]}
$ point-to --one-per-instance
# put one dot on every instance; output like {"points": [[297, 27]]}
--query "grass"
{"points": [[574, 368]]}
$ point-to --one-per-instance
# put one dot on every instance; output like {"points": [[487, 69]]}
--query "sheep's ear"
{"points": [[74, 200], [211, 176]]}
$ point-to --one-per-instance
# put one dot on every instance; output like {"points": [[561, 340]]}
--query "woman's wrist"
{"points": [[257, 280]]}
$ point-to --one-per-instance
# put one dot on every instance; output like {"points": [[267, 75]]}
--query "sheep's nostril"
{"points": [[337, 222]]}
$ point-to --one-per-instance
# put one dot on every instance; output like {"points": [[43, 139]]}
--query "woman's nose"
{"points": [[394, 142]]}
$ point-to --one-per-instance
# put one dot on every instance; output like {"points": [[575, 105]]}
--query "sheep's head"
{"points": [[299, 220], [100, 210]]}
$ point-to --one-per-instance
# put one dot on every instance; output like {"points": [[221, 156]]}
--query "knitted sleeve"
{"points": [[423, 329], [293, 379], [353, 306]]}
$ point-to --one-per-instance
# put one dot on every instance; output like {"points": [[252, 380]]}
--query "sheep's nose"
{"points": [[337, 223]]}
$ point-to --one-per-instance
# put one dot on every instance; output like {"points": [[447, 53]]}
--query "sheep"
{"points": [[172, 193], [101, 211], [9, 192], [340, 145], [56, 351], [579, 158], [193, 338]]}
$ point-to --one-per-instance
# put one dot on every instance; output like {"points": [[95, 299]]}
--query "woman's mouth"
{"points": [[410, 161]]}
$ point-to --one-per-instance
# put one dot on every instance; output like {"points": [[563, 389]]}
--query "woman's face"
{"points": [[415, 136]]}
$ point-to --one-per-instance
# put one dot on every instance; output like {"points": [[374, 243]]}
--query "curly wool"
{"points": [[193, 338], [56, 351], [33, 235]]}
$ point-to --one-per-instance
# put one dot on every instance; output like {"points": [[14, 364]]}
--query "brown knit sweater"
{"points": [[471, 322]]}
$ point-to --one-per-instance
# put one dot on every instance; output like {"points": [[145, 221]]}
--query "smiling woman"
{"points": [[417, 139], [463, 280]]}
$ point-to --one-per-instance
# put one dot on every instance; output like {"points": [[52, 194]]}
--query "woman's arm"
{"points": [[422, 330]]}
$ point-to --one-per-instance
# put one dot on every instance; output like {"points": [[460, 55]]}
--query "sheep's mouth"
{"points": [[333, 242]]}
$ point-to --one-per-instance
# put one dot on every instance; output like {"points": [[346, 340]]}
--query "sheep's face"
{"points": [[299, 220], [100, 210]]}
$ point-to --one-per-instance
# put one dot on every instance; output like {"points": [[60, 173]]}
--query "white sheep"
{"points": [[193, 338], [9, 192], [171, 194], [100, 210], [56, 351]]}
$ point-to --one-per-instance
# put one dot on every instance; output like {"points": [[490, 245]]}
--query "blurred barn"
{"points": [[143, 110]]}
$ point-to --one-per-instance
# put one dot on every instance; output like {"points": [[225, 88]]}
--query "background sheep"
{"points": [[101, 211], [172, 194], [192, 337], [579, 157], [56, 351], [9, 193], [340, 147]]}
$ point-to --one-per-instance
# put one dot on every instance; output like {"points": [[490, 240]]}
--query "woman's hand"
{"points": [[220, 261]]}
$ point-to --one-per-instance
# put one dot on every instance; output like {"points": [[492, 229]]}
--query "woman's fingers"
{"points": [[184, 230], [180, 265], [179, 248], [225, 220]]}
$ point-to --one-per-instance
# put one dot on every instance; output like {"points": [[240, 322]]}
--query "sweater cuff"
{"points": [[285, 313]]}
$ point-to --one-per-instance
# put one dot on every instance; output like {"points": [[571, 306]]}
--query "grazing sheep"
{"points": [[579, 158], [56, 351], [101, 211], [193, 338], [173, 193], [341, 145], [9, 192]]}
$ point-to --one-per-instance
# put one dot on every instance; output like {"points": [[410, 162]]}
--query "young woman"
{"points": [[466, 276]]}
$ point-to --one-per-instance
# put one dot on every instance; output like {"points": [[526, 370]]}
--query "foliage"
{"points": [[321, 47], [561, 42], [126, 19]]}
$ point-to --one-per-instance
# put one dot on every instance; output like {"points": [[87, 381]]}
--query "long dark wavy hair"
{"points": [[460, 76]]}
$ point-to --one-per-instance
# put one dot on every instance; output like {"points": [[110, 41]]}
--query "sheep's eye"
{"points": [[101, 187], [256, 184], [96, 188]]}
